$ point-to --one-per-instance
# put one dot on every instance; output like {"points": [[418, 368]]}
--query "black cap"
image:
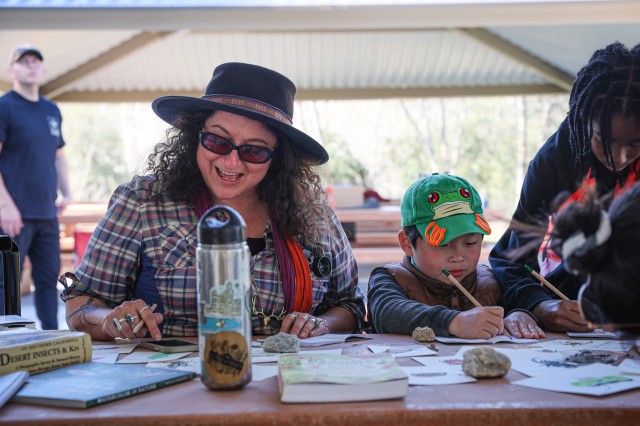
{"points": [[221, 225], [25, 49]]}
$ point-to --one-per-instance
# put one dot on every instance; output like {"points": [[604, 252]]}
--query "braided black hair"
{"points": [[607, 86]]}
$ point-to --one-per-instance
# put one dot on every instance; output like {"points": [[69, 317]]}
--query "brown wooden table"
{"points": [[485, 402]]}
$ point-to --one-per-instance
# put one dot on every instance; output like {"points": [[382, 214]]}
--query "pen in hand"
{"points": [[141, 323]]}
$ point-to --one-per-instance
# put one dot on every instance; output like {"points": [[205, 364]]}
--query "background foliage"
{"points": [[381, 144]]}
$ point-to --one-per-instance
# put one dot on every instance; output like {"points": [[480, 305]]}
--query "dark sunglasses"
{"points": [[249, 153]]}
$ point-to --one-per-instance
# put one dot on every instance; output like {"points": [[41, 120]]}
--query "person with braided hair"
{"points": [[600, 248], [595, 149]]}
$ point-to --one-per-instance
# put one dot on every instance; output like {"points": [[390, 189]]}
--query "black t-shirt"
{"points": [[30, 134]]}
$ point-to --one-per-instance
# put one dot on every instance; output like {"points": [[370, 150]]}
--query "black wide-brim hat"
{"points": [[251, 91]]}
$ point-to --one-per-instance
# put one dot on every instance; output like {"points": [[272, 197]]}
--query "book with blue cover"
{"points": [[91, 383], [10, 383]]}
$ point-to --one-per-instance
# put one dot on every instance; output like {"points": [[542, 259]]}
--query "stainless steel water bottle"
{"points": [[224, 282]]}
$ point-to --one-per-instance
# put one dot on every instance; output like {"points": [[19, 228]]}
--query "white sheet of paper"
{"points": [[595, 379], [329, 339], [581, 344], [118, 348], [402, 351], [185, 364], [537, 361], [146, 356], [259, 356], [441, 370], [630, 366], [261, 372], [105, 358], [496, 339]]}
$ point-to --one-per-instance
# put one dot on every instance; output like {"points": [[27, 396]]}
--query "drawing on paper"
{"points": [[554, 363], [589, 357], [590, 382]]}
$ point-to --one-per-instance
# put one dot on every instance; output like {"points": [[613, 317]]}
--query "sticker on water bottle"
{"points": [[224, 309], [226, 358]]}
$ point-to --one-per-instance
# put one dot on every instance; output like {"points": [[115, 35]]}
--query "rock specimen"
{"points": [[282, 342], [423, 334], [485, 362]]}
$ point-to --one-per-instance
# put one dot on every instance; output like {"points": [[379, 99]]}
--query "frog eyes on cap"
{"points": [[465, 193], [433, 197]]}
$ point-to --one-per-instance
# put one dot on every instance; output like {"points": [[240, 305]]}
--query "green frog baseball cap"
{"points": [[443, 207]]}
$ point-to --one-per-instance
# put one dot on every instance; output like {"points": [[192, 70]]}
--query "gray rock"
{"points": [[281, 342], [485, 362], [423, 334]]}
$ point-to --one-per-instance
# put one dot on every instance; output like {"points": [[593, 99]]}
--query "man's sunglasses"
{"points": [[249, 153]]}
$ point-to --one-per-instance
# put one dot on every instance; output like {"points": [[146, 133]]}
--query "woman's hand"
{"points": [[303, 325], [133, 319], [520, 324]]}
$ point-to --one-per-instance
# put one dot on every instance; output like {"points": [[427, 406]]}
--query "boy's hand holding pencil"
{"points": [[497, 310]]}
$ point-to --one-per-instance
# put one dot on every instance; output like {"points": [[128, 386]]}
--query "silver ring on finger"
{"points": [[117, 324], [141, 310], [319, 322]]}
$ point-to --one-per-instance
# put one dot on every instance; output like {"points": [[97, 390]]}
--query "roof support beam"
{"points": [[56, 87], [333, 94], [563, 80]]}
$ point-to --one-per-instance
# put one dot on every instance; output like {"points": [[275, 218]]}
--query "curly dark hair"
{"points": [[608, 85], [292, 187]]}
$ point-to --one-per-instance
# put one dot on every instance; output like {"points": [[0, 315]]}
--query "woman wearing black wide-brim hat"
{"points": [[234, 146]]}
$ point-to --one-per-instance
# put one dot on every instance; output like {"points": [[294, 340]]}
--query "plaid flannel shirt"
{"points": [[142, 243]]}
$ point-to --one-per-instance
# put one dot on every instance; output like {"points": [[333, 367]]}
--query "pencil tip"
{"points": [[444, 271]]}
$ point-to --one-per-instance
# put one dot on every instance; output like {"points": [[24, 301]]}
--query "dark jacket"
{"points": [[551, 172]]}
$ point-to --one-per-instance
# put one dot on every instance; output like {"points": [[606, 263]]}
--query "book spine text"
{"points": [[41, 356]]}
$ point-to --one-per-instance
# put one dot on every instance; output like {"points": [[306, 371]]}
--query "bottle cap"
{"points": [[221, 225]]}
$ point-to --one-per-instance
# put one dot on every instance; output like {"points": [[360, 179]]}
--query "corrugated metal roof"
{"points": [[335, 52]]}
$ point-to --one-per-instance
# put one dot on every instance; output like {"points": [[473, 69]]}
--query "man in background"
{"points": [[32, 169]]}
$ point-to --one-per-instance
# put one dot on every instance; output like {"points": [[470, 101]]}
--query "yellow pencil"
{"points": [[466, 293], [461, 288], [545, 282]]}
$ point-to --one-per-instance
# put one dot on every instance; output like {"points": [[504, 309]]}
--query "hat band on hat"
{"points": [[251, 105]]}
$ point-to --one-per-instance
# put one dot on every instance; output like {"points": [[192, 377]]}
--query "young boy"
{"points": [[443, 227]]}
